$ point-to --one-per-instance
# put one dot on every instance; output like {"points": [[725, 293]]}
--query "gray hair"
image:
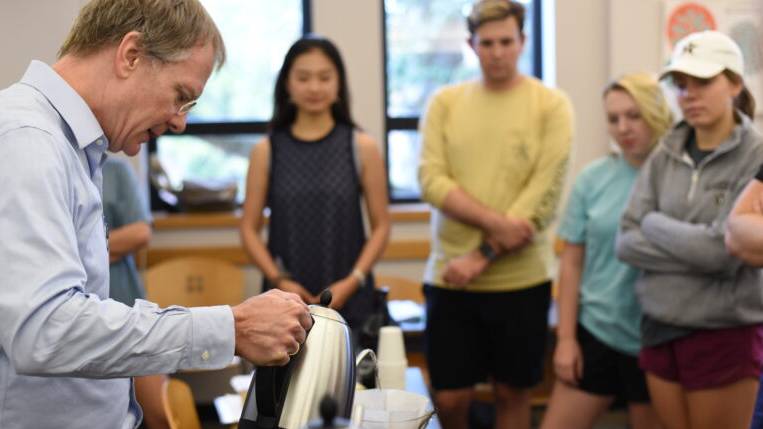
{"points": [[168, 28]]}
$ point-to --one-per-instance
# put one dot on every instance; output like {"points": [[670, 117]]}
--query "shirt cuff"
{"points": [[213, 338], [577, 237]]}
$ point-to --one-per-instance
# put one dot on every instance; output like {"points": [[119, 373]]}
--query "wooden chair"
{"points": [[177, 400], [194, 281], [401, 288]]}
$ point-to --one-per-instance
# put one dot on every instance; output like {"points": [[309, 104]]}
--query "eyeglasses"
{"points": [[185, 108]]}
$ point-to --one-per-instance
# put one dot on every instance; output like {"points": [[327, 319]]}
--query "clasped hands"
{"points": [[505, 234]]}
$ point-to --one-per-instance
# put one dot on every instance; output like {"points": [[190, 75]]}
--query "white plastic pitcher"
{"points": [[390, 409]]}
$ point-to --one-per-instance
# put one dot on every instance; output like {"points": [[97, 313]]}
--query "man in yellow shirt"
{"points": [[493, 163]]}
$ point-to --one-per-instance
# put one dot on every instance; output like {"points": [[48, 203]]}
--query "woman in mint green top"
{"points": [[598, 335], [607, 306]]}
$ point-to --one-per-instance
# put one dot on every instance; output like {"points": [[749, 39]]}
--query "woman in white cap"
{"points": [[701, 331], [598, 338]]}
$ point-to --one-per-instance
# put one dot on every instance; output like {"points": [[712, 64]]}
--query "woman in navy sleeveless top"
{"points": [[313, 172]]}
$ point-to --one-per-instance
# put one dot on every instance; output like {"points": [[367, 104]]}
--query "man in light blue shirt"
{"points": [[128, 71]]}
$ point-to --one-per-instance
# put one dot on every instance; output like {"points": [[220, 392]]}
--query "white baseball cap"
{"points": [[705, 54]]}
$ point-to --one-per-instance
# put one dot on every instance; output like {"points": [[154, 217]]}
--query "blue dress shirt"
{"points": [[65, 348]]}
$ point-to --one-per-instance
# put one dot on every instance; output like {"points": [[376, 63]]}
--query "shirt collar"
{"points": [[69, 104], [675, 141]]}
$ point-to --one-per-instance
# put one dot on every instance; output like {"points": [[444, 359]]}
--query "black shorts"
{"points": [[609, 372], [473, 335]]}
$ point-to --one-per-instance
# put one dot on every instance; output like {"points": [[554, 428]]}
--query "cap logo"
{"points": [[689, 48]]}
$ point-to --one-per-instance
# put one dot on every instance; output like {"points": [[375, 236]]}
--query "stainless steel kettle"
{"points": [[288, 397]]}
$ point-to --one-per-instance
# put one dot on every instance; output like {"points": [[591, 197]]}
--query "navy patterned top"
{"points": [[316, 230]]}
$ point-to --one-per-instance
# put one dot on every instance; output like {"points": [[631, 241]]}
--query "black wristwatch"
{"points": [[487, 251]]}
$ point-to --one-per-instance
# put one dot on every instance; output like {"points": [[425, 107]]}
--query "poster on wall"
{"points": [[740, 19]]}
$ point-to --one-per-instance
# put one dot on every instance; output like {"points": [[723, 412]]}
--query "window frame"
{"points": [[411, 123], [222, 128]]}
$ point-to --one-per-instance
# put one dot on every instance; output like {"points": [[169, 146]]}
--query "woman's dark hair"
{"points": [[744, 102], [284, 111]]}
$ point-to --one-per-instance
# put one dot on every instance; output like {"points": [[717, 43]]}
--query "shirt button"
{"points": [[205, 356]]}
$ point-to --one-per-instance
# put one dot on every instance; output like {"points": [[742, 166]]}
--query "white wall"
{"points": [[32, 29], [635, 34], [355, 26], [582, 69], [35, 29]]}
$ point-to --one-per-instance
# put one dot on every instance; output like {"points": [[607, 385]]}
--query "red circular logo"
{"points": [[688, 18]]}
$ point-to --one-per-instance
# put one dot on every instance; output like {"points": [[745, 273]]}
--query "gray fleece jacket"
{"points": [[673, 230]]}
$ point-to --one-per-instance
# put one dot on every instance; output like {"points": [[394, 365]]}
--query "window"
{"points": [[233, 112], [425, 48]]}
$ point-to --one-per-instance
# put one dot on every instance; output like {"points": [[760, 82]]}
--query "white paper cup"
{"points": [[392, 374], [391, 346]]}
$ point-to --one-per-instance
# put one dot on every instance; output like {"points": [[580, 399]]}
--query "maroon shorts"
{"points": [[707, 358]]}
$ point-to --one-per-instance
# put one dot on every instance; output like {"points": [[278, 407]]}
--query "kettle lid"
{"points": [[323, 310]]}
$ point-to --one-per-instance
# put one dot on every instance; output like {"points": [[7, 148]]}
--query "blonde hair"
{"points": [[494, 10], [649, 98], [169, 28]]}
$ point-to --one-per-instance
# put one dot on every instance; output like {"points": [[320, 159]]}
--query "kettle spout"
{"points": [[362, 355]]}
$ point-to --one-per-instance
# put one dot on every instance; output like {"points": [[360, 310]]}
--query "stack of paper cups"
{"points": [[391, 358]]}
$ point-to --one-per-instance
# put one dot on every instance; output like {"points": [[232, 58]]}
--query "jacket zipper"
{"points": [[693, 186], [694, 176]]}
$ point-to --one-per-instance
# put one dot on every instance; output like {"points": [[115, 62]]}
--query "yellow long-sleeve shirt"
{"points": [[509, 150]]}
